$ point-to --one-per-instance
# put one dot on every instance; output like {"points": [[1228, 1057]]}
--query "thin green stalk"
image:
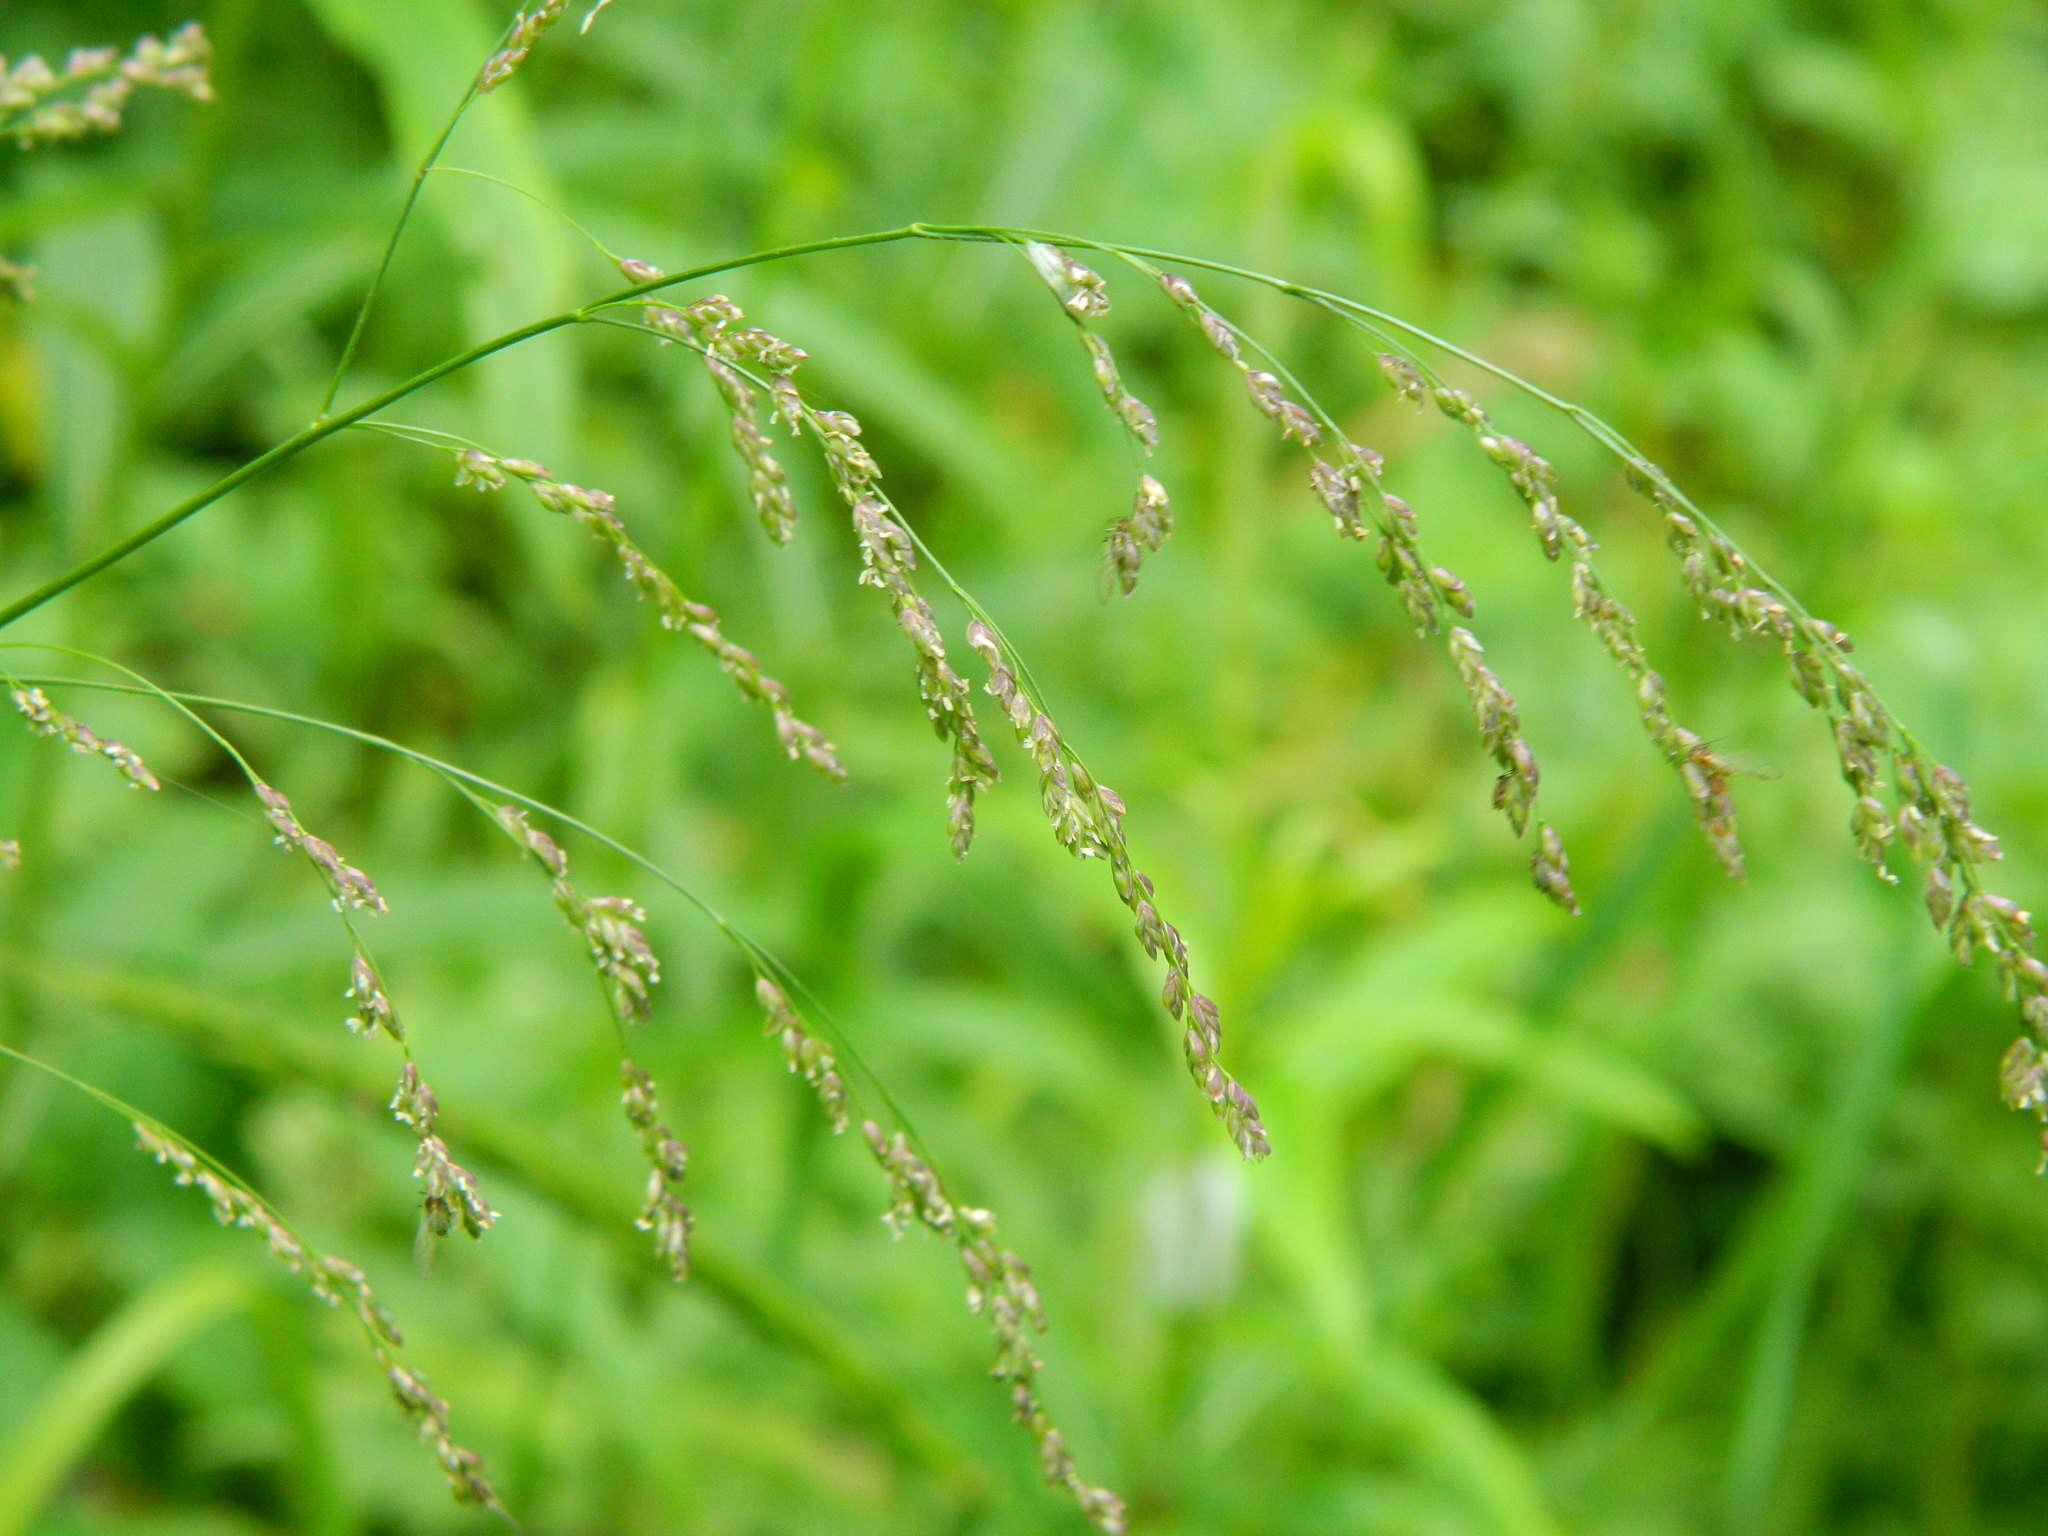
{"points": [[68, 1419], [327, 426], [533, 197], [412, 196]]}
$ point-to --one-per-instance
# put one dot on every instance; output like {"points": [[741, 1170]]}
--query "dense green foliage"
{"points": [[1697, 1212]]}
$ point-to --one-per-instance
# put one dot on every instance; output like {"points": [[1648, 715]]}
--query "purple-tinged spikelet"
{"points": [[662, 1211], [1133, 537], [450, 1196], [1084, 297]]}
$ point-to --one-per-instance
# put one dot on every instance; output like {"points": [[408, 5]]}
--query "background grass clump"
{"points": [[1696, 1213]]}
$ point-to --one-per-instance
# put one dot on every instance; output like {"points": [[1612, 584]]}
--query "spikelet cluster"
{"points": [[711, 327], [998, 1283], [450, 1197], [597, 514], [662, 1211], [349, 888], [887, 556], [1900, 795], [526, 30], [449, 1194], [336, 1282], [619, 951], [41, 105], [17, 282], [803, 1052], [45, 719], [1084, 297], [999, 1289], [627, 966], [1527, 471], [10, 853], [1346, 478], [372, 1013], [888, 564], [1087, 818], [1141, 533], [1514, 788], [1703, 772], [1350, 489]]}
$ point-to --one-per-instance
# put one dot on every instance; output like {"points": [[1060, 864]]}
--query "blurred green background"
{"points": [[1697, 1213]]}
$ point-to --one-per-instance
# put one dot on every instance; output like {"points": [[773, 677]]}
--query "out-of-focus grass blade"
{"points": [[128, 1348], [1837, 1152], [275, 288]]}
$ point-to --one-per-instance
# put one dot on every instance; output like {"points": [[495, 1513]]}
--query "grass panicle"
{"points": [[998, 1282], [1902, 798], [1086, 817]]}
